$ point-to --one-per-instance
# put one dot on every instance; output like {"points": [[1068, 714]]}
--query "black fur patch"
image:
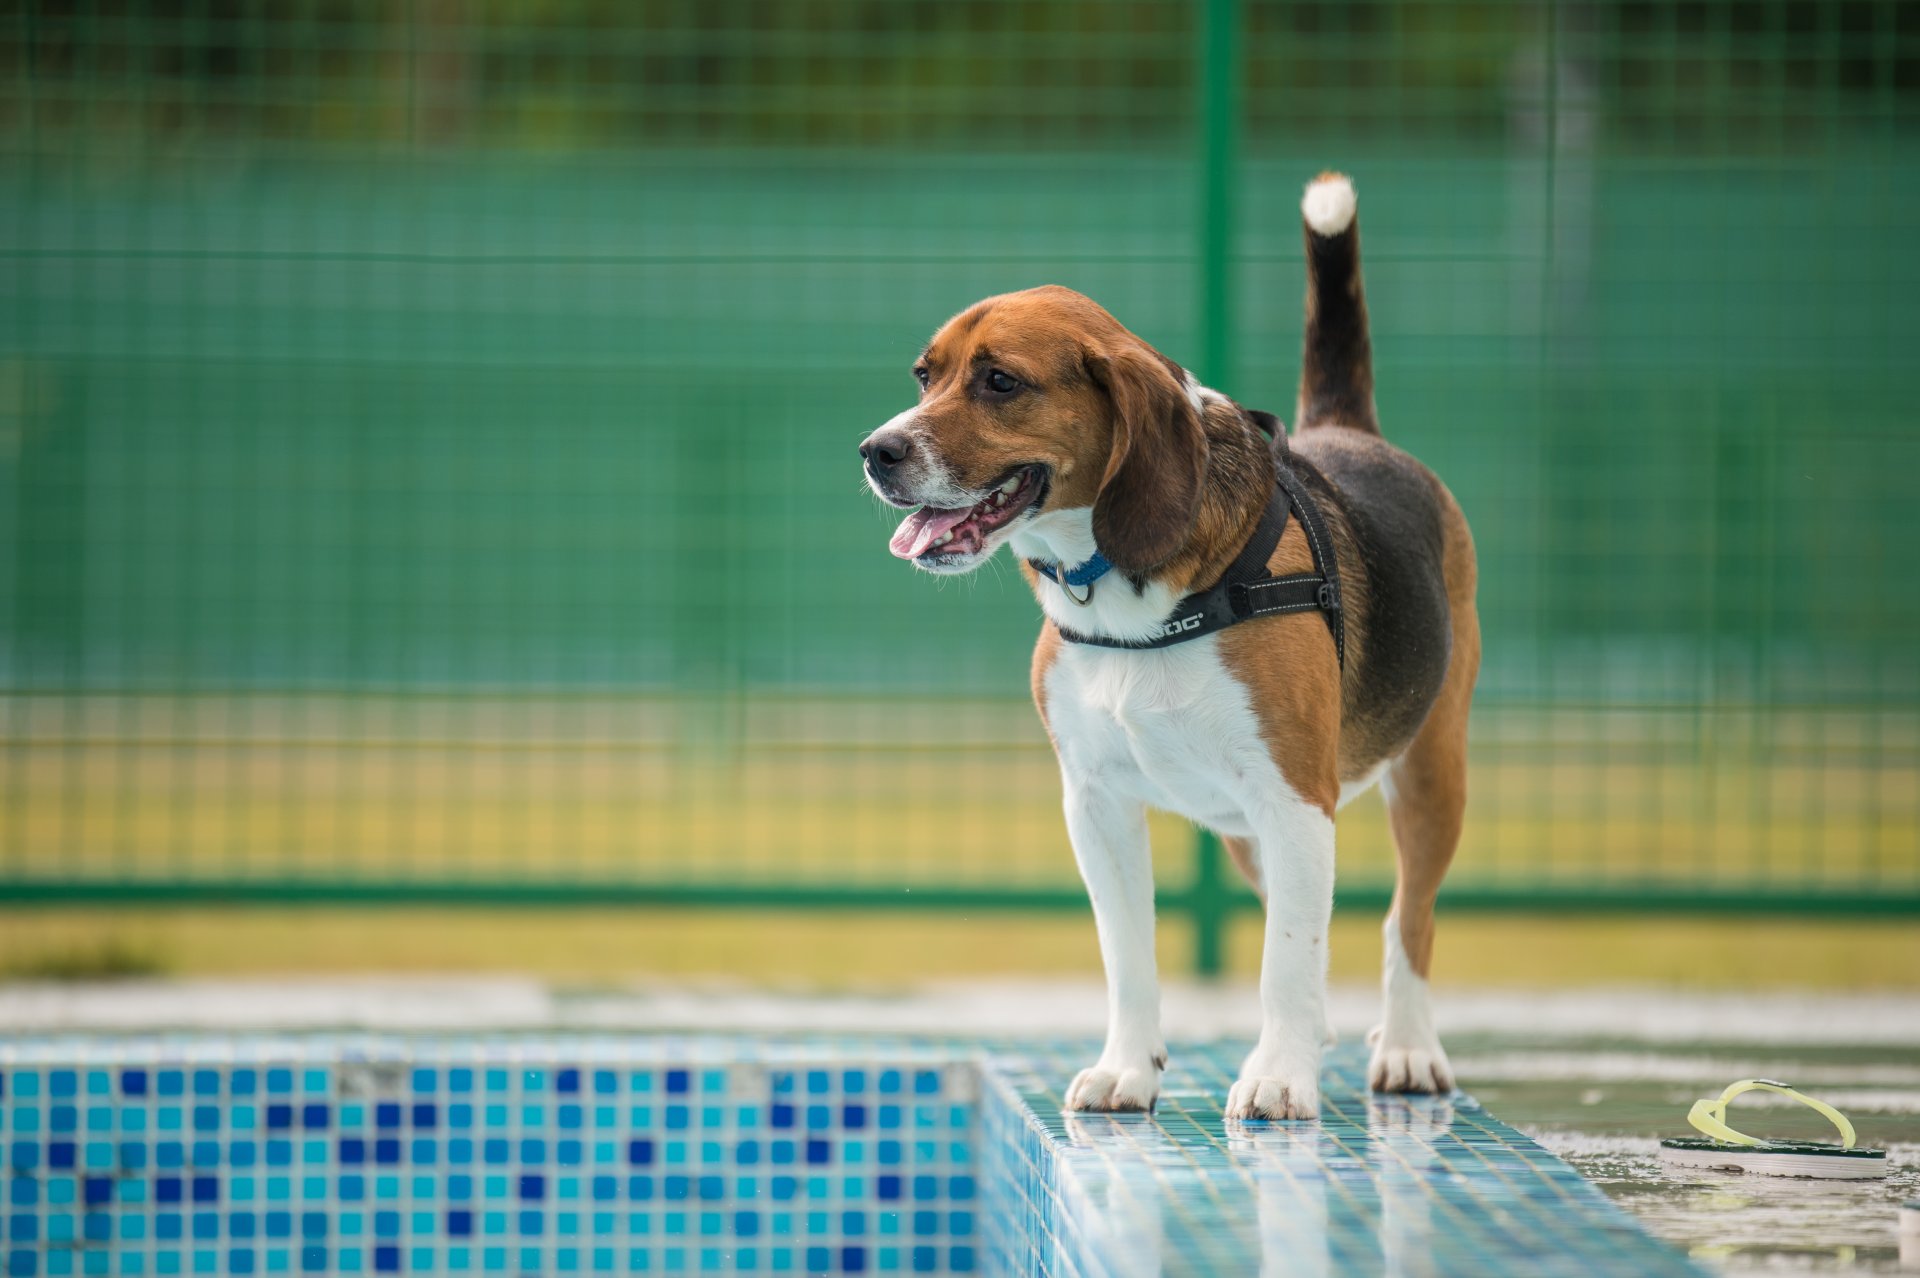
{"points": [[1393, 511]]}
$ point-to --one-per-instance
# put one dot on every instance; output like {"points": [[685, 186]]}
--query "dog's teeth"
{"points": [[1011, 486]]}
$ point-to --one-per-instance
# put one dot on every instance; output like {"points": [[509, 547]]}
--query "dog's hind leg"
{"points": [[1426, 792], [1247, 858], [1424, 802]]}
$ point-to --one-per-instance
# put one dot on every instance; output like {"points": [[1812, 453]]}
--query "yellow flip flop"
{"points": [[1725, 1149]]}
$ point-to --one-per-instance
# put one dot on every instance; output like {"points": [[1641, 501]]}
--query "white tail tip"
{"points": [[1328, 204]]}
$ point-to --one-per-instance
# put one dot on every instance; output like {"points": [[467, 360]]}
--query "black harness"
{"points": [[1245, 590]]}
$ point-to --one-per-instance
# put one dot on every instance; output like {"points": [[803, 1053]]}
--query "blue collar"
{"points": [[1082, 575]]}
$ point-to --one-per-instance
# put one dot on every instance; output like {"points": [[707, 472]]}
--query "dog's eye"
{"points": [[920, 375], [1001, 384]]}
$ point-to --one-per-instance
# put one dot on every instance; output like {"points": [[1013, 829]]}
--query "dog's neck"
{"points": [[1234, 490]]}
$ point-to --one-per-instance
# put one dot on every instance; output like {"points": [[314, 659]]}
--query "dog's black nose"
{"points": [[885, 449]]}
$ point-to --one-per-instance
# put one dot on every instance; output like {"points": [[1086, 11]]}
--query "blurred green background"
{"points": [[427, 431]]}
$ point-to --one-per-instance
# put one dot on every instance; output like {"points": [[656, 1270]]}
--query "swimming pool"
{"points": [[725, 1155]]}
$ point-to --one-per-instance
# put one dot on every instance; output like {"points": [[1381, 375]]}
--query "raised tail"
{"points": [[1336, 365]]}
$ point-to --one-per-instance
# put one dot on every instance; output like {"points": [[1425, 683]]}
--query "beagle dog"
{"points": [[1126, 488]]}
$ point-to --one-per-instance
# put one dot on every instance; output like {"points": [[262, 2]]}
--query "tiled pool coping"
{"points": [[1399, 1185], [711, 1154]]}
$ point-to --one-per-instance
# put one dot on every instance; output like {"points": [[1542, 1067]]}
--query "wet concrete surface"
{"points": [[1605, 1104]]}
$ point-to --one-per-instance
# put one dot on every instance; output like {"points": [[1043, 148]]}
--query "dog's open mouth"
{"points": [[931, 533]]}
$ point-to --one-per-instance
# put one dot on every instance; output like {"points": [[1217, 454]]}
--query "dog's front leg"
{"points": [[1281, 1077], [1109, 833]]}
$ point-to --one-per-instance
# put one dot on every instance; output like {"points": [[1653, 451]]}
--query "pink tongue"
{"points": [[917, 531]]}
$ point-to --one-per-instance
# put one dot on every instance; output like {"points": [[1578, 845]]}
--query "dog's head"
{"points": [[1041, 402]]}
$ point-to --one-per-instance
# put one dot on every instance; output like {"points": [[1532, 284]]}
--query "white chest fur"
{"points": [[1170, 727], [1113, 608]]}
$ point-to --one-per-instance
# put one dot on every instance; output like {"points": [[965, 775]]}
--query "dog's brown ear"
{"points": [[1151, 493]]}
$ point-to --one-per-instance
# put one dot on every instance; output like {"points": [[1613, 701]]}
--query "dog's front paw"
{"points": [[1274, 1096], [1112, 1088], [1277, 1084], [1408, 1063]]}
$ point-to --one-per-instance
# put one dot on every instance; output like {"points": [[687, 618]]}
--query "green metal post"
{"points": [[1220, 97], [1218, 73], [1210, 905]]}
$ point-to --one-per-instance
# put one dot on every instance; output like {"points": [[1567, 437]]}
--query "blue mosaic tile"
{"points": [[323, 1157]]}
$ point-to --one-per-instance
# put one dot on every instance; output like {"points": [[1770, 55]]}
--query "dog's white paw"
{"points": [[1407, 1063], [1277, 1083], [1111, 1088], [1274, 1096]]}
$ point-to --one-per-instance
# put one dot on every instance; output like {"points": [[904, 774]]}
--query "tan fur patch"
{"points": [[1292, 676], [1242, 852], [1045, 651]]}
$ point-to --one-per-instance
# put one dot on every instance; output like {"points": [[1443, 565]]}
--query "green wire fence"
{"points": [[427, 431]]}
